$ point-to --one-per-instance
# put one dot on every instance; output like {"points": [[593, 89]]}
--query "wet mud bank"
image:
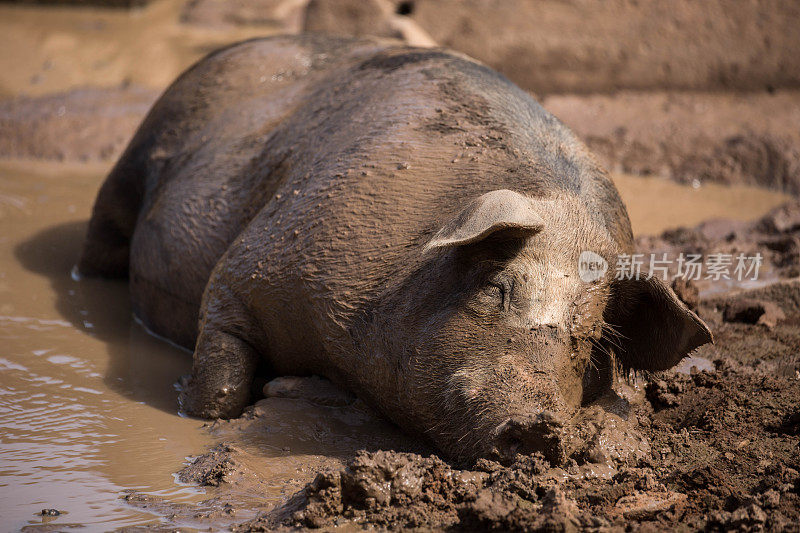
{"points": [[89, 124], [744, 138], [580, 46]]}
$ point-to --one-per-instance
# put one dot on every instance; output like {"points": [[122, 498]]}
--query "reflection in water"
{"points": [[87, 397]]}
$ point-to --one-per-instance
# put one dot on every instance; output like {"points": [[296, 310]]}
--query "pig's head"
{"points": [[507, 339]]}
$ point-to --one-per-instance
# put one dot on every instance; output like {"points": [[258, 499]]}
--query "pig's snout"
{"points": [[526, 434]]}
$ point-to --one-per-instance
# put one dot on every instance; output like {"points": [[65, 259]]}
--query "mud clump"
{"points": [[662, 394], [385, 488], [213, 468], [723, 441], [753, 312], [401, 490]]}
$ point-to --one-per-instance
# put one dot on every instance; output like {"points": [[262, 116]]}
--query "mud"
{"points": [[88, 400], [692, 137], [88, 406], [582, 46], [547, 47], [723, 456], [688, 205], [73, 3], [284, 16], [80, 125], [59, 48]]}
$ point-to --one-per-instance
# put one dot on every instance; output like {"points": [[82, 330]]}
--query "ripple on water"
{"points": [[70, 441]]}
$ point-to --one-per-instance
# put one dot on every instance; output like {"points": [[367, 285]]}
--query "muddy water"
{"points": [[87, 402], [656, 204], [51, 49], [87, 398]]}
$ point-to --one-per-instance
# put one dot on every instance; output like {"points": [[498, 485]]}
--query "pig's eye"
{"points": [[501, 291]]}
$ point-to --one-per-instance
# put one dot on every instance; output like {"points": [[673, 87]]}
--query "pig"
{"points": [[403, 221]]}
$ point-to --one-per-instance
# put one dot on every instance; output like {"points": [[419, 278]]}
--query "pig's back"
{"points": [[378, 156], [339, 157], [206, 167]]}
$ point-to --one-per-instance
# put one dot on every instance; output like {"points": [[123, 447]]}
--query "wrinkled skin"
{"points": [[405, 222]]}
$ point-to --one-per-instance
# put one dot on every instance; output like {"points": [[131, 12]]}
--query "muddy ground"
{"points": [[713, 445]]}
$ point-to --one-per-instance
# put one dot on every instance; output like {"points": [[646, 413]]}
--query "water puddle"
{"points": [[55, 48], [656, 204], [87, 397]]}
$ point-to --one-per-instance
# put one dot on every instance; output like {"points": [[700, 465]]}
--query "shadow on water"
{"points": [[145, 369], [141, 367]]}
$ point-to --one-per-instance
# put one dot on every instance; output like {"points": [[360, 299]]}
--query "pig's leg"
{"points": [[224, 363]]}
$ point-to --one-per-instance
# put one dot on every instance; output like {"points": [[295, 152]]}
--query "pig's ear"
{"points": [[654, 329], [497, 213]]}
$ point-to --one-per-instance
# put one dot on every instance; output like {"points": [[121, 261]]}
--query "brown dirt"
{"points": [[776, 237], [382, 18], [723, 138], [277, 15], [583, 46], [81, 125], [58, 48], [79, 3], [548, 46]]}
